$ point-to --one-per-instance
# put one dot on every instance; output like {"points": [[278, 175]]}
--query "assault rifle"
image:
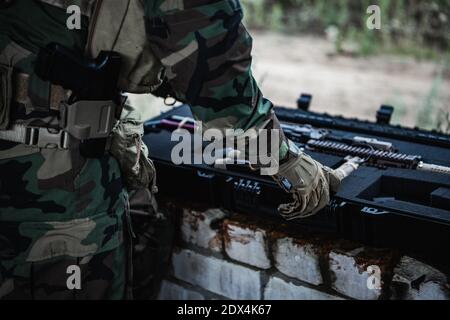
{"points": [[371, 151], [374, 152]]}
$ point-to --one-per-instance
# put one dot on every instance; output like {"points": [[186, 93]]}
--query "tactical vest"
{"points": [[113, 25]]}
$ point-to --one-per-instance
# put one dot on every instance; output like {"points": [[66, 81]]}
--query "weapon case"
{"points": [[377, 206]]}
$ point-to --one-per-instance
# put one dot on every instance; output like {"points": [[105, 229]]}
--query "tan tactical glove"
{"points": [[309, 183], [129, 150]]}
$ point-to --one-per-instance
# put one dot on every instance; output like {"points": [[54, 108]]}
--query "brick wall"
{"points": [[230, 256]]}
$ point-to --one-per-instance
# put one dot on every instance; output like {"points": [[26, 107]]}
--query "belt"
{"points": [[20, 95], [50, 138], [85, 124], [40, 137]]}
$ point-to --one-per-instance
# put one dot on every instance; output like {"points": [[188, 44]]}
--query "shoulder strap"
{"points": [[106, 24], [92, 23]]}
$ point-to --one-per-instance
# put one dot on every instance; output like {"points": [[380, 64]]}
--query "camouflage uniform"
{"points": [[58, 208]]}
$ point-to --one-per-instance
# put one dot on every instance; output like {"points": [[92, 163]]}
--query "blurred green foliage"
{"points": [[414, 27], [443, 121], [426, 117]]}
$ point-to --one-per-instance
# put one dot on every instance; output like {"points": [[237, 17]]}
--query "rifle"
{"points": [[355, 149], [373, 152]]}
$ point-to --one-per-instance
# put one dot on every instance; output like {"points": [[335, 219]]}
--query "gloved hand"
{"points": [[128, 148], [308, 182]]}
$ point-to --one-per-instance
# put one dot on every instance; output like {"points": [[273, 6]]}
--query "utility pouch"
{"points": [[5, 95]]}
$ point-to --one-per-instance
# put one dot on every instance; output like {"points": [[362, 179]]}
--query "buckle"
{"points": [[48, 138], [85, 120]]}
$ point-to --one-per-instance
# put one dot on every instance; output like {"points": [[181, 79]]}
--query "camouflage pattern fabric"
{"points": [[49, 220], [57, 208], [206, 52]]}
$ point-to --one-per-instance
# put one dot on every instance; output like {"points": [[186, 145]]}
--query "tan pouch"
{"points": [[5, 95]]}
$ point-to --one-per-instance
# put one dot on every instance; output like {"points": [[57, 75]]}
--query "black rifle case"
{"points": [[382, 206]]}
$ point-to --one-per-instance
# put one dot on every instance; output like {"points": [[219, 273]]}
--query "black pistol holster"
{"points": [[95, 103]]}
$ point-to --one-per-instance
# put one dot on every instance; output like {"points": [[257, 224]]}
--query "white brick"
{"points": [[247, 245], [172, 291], [197, 228], [278, 289], [414, 280], [217, 276], [349, 278], [300, 261]]}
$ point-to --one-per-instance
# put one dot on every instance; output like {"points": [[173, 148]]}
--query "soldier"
{"points": [[61, 207]]}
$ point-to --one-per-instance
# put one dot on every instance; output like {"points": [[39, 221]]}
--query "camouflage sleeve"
{"points": [[206, 54]]}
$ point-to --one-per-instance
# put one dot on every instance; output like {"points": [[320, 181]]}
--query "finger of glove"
{"points": [[307, 205], [291, 207], [333, 179]]}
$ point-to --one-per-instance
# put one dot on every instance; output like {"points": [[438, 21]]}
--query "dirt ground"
{"points": [[286, 66]]}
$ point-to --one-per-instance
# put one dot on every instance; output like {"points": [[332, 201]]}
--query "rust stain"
{"points": [[386, 259], [215, 242], [191, 217]]}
